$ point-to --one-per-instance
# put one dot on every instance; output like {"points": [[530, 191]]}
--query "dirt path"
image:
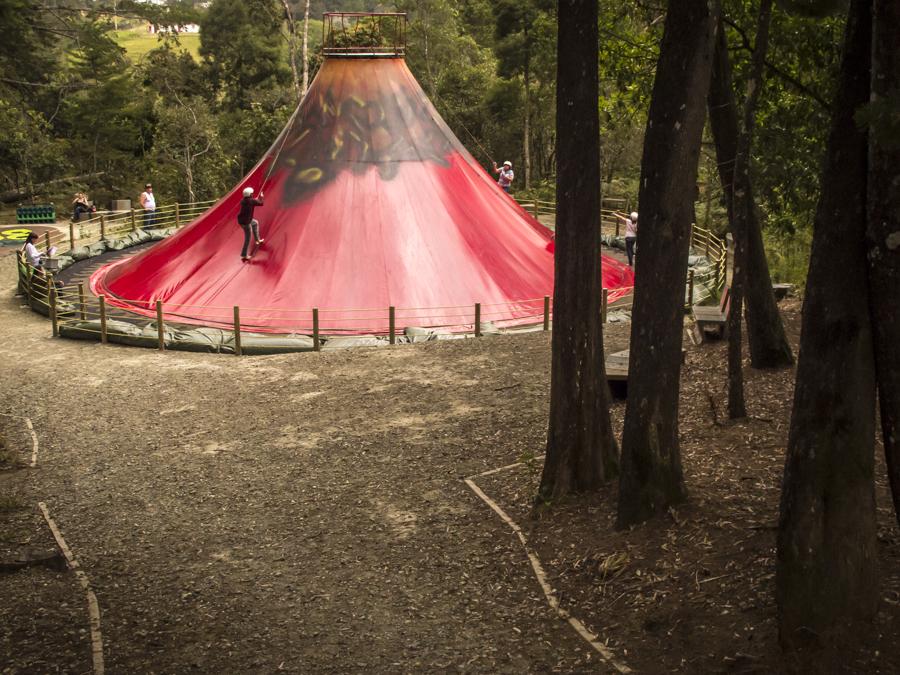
{"points": [[302, 512]]}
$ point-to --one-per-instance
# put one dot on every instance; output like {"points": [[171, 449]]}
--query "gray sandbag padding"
{"points": [[415, 334], [65, 261], [117, 244], [257, 344], [203, 339], [145, 336], [90, 329], [340, 342], [488, 328], [160, 233], [97, 248], [80, 253]]}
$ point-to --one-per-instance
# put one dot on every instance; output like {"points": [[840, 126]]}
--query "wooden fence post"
{"points": [[617, 225], [133, 221], [160, 326], [546, 312], [536, 211], [71, 236], [82, 305], [604, 305], [103, 337], [690, 288], [237, 331], [102, 227], [316, 346], [392, 324], [47, 240], [51, 294], [477, 319], [177, 214]]}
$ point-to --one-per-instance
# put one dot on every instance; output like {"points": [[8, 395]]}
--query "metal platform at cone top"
{"points": [[364, 34]]}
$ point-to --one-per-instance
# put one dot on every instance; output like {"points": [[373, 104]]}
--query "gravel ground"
{"points": [[301, 512]]}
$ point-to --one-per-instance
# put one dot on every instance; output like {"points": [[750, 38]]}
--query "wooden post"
{"points": [[71, 236], [102, 299], [133, 221], [102, 227], [392, 324], [237, 331], [535, 208], [81, 303], [604, 305], [51, 294], [160, 326], [708, 237], [177, 214], [47, 240], [477, 319], [690, 288], [617, 224], [546, 312], [315, 329]]}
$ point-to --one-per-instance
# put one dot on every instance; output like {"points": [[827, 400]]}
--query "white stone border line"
{"points": [[593, 640], [34, 438], [93, 606]]}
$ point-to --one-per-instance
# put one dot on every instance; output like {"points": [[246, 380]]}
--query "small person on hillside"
{"points": [[631, 225], [506, 175], [148, 203], [247, 222], [81, 205]]}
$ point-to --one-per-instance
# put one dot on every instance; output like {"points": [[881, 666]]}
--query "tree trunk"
{"points": [[652, 478], [305, 51], [769, 347], [883, 239], [581, 448], [827, 551], [292, 46], [743, 208], [526, 140]]}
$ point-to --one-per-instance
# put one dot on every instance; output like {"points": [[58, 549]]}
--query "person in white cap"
{"points": [[247, 222], [631, 225], [506, 175]]}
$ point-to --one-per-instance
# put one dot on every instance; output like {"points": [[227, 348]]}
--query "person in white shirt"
{"points": [[148, 203], [631, 225], [32, 256], [506, 175]]}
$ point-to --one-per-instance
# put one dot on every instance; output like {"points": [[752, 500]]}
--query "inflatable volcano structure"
{"points": [[370, 202]]}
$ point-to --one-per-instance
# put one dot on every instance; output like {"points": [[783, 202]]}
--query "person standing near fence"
{"points": [[247, 222], [631, 225], [148, 203], [505, 175]]}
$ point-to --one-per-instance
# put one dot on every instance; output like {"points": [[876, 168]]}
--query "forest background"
{"points": [[79, 99]]}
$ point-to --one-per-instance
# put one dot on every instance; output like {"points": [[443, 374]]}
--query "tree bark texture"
{"points": [[827, 551], [292, 46], [581, 449], [305, 87], [768, 342], [883, 238], [652, 477]]}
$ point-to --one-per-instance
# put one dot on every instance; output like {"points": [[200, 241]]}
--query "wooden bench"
{"points": [[617, 374], [712, 320]]}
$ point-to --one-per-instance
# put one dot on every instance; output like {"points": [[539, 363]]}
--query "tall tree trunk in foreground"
{"points": [[652, 478], [883, 236], [826, 561], [769, 347], [526, 135], [581, 447], [743, 213]]}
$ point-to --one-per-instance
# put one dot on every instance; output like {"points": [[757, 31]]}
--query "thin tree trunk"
{"points": [[743, 208], [883, 239], [769, 347], [826, 572], [305, 51], [526, 140], [292, 46], [652, 477], [581, 448]]}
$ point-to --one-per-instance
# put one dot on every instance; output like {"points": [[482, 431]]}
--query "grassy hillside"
{"points": [[137, 42]]}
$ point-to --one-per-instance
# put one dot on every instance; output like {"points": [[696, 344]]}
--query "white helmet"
{"points": [[248, 191], [507, 163], [634, 215]]}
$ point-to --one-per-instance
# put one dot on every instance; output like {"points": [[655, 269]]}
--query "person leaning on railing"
{"points": [[631, 225]]}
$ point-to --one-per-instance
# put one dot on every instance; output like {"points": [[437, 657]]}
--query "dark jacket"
{"points": [[247, 206]]}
